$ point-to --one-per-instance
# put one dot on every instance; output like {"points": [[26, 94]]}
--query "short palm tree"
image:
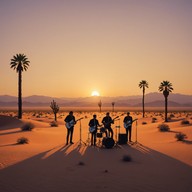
{"points": [[166, 88], [100, 104], [20, 63], [113, 106], [143, 84]]}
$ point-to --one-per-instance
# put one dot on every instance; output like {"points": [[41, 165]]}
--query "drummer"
{"points": [[93, 124]]}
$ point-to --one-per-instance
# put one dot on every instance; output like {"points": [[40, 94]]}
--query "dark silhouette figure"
{"points": [[107, 121], [70, 122], [93, 124], [128, 120]]}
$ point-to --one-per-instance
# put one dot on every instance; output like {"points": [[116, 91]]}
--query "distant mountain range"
{"points": [[151, 100]]}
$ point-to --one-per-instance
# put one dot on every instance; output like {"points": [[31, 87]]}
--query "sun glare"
{"points": [[95, 93]]}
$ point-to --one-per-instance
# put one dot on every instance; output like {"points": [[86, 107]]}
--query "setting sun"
{"points": [[95, 93]]}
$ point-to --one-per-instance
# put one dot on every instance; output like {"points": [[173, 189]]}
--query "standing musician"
{"points": [[70, 122], [93, 124], [107, 121], [128, 120]]}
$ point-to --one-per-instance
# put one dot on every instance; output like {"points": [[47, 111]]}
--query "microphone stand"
{"points": [[80, 135]]}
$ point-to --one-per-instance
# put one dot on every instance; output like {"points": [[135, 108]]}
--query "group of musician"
{"points": [[94, 125]]}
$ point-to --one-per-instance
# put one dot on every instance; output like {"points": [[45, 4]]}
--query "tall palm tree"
{"points": [[166, 87], [19, 63], [143, 84]]}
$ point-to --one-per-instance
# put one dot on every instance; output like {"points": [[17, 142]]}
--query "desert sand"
{"points": [[158, 162]]}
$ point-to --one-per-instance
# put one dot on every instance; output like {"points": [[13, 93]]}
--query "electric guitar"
{"points": [[106, 124], [92, 129], [128, 123], [72, 123]]}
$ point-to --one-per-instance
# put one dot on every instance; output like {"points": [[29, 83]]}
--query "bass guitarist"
{"points": [[70, 122], [128, 120], [107, 121]]}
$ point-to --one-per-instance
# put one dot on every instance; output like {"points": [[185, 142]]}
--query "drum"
{"points": [[108, 142], [102, 129], [99, 135]]}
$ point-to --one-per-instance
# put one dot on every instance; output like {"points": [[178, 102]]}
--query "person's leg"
{"points": [[127, 133], [91, 138], [130, 130], [71, 137], [67, 138], [94, 137]]}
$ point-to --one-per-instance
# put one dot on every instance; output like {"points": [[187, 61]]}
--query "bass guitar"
{"points": [[72, 123], [129, 123]]}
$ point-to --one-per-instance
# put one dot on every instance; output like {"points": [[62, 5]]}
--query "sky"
{"points": [[78, 46]]}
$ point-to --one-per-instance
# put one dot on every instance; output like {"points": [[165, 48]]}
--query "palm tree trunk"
{"points": [[19, 94], [143, 104], [166, 109]]}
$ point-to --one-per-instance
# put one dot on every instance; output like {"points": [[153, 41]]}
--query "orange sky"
{"points": [[78, 46]]}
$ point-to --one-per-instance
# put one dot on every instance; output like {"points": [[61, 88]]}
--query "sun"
{"points": [[95, 93]]}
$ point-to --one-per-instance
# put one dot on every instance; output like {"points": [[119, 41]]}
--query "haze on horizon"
{"points": [[79, 46]]}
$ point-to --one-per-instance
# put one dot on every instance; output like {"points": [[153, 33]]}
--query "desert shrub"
{"points": [[185, 122], [27, 126], [126, 158], [54, 124], [180, 136], [81, 163], [154, 119], [163, 127], [22, 140], [171, 116], [144, 123]]}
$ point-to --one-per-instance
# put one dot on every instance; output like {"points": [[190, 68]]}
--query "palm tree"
{"points": [[166, 87], [113, 105], [143, 84], [100, 104], [19, 63]]}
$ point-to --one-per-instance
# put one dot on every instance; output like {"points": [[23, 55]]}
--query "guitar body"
{"points": [[70, 124], [92, 129], [129, 123]]}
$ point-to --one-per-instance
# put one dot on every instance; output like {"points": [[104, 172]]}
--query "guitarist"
{"points": [[107, 121], [70, 118], [94, 123], [128, 120]]}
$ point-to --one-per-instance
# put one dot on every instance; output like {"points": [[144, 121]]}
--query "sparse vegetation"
{"points": [[185, 122], [22, 140], [180, 136], [163, 127], [144, 123], [81, 163], [127, 158], [54, 124], [55, 108], [27, 126]]}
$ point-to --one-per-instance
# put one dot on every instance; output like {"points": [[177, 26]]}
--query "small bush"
{"points": [[54, 124], [144, 123], [126, 158], [163, 127], [27, 126], [22, 140], [81, 163], [184, 122], [180, 136]]}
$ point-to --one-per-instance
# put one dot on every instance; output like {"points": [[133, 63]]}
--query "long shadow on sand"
{"points": [[90, 169]]}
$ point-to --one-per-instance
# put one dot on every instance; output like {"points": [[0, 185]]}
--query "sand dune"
{"points": [[158, 161]]}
